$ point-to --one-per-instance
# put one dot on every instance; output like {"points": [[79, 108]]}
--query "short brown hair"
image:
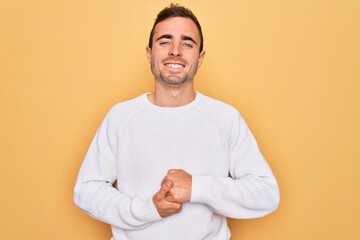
{"points": [[175, 10]]}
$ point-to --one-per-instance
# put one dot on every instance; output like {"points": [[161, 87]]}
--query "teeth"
{"points": [[172, 65]]}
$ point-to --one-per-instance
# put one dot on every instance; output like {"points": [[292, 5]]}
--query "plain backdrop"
{"points": [[292, 69]]}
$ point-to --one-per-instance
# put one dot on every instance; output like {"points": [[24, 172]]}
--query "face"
{"points": [[174, 56]]}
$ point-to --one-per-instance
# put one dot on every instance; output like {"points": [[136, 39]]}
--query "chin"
{"points": [[175, 81]]}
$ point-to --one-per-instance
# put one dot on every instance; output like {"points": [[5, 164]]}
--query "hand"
{"points": [[182, 181], [163, 206]]}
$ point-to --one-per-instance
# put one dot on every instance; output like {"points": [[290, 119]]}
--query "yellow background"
{"points": [[291, 67]]}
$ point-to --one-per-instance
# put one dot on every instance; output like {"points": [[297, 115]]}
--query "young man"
{"points": [[183, 162]]}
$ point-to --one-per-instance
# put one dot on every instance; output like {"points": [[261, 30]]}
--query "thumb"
{"points": [[165, 188]]}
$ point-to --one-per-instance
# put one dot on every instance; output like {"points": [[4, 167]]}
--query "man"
{"points": [[182, 162]]}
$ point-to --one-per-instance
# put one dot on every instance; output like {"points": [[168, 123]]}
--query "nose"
{"points": [[175, 50]]}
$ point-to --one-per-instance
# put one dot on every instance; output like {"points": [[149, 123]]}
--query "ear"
{"points": [[201, 58], [148, 54]]}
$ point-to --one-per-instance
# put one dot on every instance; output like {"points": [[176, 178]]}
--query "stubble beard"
{"points": [[174, 81]]}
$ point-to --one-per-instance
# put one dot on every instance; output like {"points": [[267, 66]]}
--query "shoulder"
{"points": [[218, 109], [222, 114], [225, 116], [127, 106], [122, 112]]}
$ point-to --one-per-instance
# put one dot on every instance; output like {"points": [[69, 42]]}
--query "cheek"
{"points": [[155, 62], [156, 59]]}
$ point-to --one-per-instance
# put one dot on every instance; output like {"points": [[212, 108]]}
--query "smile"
{"points": [[174, 65]]}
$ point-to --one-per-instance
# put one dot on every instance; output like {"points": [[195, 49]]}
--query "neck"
{"points": [[169, 96]]}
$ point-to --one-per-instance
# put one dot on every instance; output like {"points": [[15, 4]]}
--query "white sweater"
{"points": [[138, 142]]}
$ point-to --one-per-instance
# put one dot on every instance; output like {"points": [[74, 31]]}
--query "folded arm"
{"points": [[250, 191], [94, 192]]}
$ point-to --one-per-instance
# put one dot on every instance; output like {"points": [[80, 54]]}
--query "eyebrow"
{"points": [[187, 38], [183, 37]]}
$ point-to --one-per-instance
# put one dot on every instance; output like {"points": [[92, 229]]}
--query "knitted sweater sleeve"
{"points": [[250, 191], [94, 192]]}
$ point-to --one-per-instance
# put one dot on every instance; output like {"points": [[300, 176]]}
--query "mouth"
{"points": [[174, 65]]}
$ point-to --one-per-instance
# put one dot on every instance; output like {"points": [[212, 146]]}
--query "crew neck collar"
{"points": [[183, 108]]}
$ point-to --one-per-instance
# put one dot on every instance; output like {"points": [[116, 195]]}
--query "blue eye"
{"points": [[164, 43], [187, 45]]}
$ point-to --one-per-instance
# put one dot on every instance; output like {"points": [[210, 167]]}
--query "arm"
{"points": [[94, 192], [251, 191]]}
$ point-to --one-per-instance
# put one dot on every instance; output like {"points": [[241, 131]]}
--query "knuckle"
{"points": [[172, 171], [158, 197], [163, 187], [179, 208]]}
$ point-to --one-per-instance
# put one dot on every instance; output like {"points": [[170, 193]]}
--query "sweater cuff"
{"points": [[201, 190], [145, 210]]}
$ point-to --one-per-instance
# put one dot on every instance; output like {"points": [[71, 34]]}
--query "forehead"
{"points": [[177, 26]]}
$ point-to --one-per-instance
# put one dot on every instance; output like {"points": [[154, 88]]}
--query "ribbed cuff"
{"points": [[145, 210], [201, 190]]}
